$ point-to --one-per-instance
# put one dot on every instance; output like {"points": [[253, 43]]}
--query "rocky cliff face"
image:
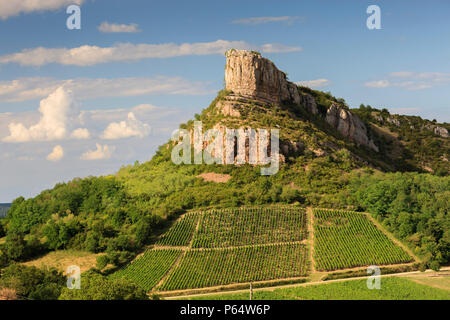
{"points": [[349, 125], [250, 75]]}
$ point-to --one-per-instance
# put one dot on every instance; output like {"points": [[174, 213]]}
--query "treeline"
{"points": [[411, 205], [19, 282], [92, 214]]}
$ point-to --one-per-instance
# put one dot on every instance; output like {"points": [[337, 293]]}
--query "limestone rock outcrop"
{"points": [[250, 78], [349, 125], [249, 75], [441, 131], [309, 103]]}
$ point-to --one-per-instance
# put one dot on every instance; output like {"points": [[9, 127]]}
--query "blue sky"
{"points": [[173, 64]]}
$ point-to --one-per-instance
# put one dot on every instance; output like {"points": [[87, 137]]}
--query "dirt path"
{"points": [[403, 274], [310, 217]]}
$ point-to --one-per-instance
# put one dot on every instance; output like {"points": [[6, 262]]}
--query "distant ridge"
{"points": [[4, 207]]}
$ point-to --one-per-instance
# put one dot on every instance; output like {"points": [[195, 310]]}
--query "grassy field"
{"points": [[392, 288], [349, 239], [62, 259], [440, 281]]}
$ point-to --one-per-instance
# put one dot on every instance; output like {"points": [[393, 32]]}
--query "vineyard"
{"points": [[250, 226], [230, 246], [240, 245], [150, 268], [210, 267], [348, 239], [181, 232]]}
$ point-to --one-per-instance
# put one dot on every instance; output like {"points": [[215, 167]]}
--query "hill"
{"points": [[394, 167], [4, 207]]}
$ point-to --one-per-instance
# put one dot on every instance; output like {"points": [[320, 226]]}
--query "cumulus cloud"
{"points": [[118, 28], [319, 83], [52, 125], [411, 80], [125, 129], [80, 134], [57, 154], [264, 20], [102, 152], [37, 88], [9, 8], [87, 55], [57, 112]]}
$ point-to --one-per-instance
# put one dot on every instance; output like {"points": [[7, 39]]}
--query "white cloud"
{"points": [[37, 88], [57, 114], [263, 20], [401, 74], [52, 125], [377, 84], [146, 113], [319, 83], [89, 55], [404, 110], [412, 80], [80, 134], [9, 8], [102, 152], [278, 48], [57, 154], [118, 28], [125, 129]]}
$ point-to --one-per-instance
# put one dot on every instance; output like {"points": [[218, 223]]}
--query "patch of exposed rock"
{"points": [[394, 121], [249, 75], [309, 103], [349, 125], [250, 78], [214, 177], [441, 131]]}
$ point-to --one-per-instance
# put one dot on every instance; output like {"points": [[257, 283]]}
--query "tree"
{"points": [[102, 262], [435, 266], [15, 246], [144, 230], [32, 282], [2, 229], [97, 287]]}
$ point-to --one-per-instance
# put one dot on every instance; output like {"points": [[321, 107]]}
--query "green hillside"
{"points": [[405, 186], [121, 213]]}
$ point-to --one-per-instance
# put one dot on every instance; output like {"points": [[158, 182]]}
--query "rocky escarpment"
{"points": [[349, 125], [249, 77]]}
